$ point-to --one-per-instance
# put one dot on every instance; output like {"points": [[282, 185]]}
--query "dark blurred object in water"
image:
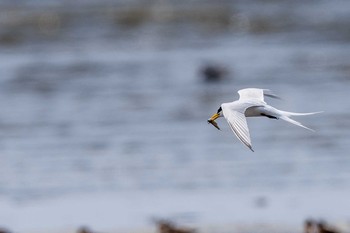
{"points": [[261, 202], [165, 226], [310, 226], [84, 229], [324, 228], [3, 230], [9, 38], [212, 73]]}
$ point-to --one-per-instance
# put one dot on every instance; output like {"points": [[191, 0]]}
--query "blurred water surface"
{"points": [[109, 96]]}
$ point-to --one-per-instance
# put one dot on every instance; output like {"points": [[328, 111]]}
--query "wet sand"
{"points": [[209, 211]]}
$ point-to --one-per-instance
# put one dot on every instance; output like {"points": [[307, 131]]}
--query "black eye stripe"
{"points": [[219, 110]]}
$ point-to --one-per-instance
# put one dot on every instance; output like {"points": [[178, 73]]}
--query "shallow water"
{"points": [[90, 104]]}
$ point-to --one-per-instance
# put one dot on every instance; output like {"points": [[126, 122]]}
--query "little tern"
{"points": [[251, 104]]}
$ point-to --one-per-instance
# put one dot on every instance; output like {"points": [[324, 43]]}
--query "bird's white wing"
{"points": [[238, 123], [255, 94]]}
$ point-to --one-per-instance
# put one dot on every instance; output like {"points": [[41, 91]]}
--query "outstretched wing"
{"points": [[238, 123], [255, 94]]}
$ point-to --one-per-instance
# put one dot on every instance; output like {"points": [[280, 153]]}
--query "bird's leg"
{"points": [[269, 116]]}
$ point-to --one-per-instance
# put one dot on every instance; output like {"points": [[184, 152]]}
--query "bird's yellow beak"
{"points": [[214, 117]]}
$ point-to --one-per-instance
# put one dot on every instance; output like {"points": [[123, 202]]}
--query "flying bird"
{"points": [[251, 103]]}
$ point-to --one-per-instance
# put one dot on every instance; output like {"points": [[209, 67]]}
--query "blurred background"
{"points": [[104, 107]]}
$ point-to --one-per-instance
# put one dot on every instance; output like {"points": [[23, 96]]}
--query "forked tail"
{"points": [[285, 116], [284, 113]]}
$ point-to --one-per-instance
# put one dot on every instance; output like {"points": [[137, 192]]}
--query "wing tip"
{"points": [[269, 93]]}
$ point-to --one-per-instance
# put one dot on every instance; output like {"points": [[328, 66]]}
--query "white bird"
{"points": [[251, 104]]}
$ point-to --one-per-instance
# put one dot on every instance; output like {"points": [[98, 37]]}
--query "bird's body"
{"points": [[251, 104]]}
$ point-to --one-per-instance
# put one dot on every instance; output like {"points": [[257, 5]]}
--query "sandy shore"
{"points": [[203, 229], [237, 228], [224, 211]]}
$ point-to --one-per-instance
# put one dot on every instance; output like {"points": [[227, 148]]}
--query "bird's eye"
{"points": [[219, 110]]}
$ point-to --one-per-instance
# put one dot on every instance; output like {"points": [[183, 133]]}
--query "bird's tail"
{"points": [[286, 117], [284, 113]]}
